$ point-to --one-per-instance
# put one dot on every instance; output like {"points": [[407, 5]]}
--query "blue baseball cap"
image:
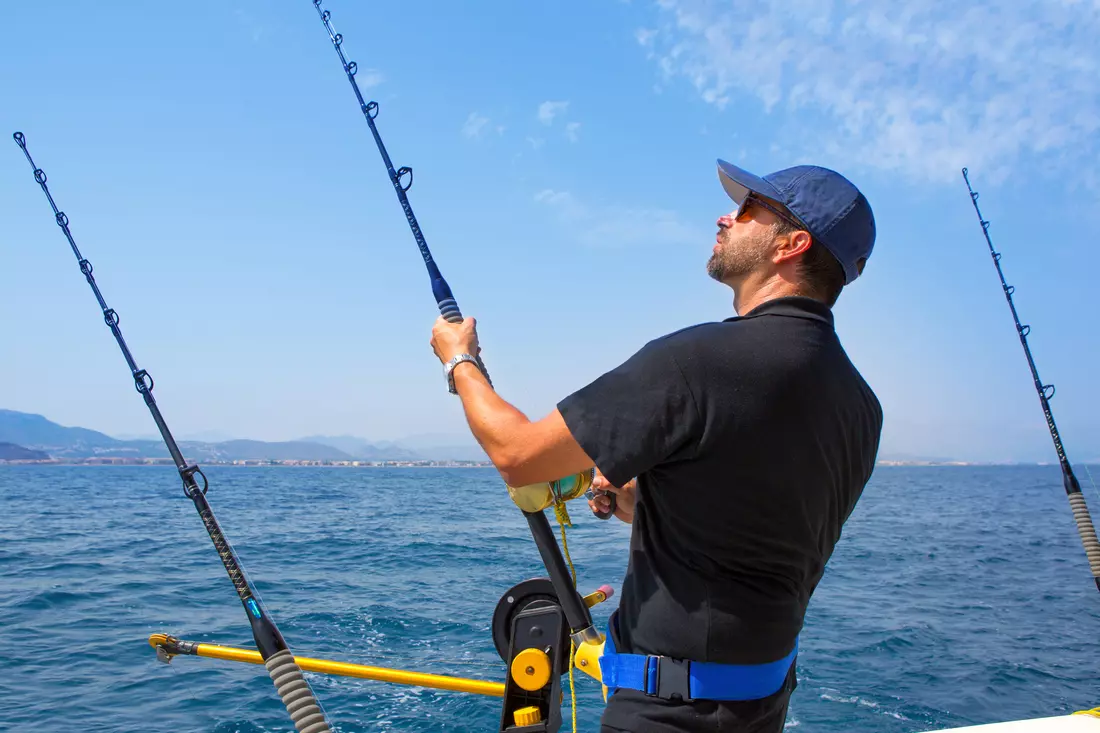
{"points": [[835, 213]]}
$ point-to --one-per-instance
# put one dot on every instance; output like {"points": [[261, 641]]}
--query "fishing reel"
{"points": [[531, 635], [539, 496]]}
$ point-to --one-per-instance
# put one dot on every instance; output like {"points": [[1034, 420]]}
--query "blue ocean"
{"points": [[958, 595]]}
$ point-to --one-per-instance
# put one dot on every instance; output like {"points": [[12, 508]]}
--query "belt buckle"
{"points": [[673, 678]]}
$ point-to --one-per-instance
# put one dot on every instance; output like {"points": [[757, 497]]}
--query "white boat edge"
{"points": [[1078, 723]]}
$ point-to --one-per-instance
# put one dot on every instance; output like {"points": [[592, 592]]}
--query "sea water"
{"points": [[957, 595]]}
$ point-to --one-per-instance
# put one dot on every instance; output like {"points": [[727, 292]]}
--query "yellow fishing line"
{"points": [[562, 515]]}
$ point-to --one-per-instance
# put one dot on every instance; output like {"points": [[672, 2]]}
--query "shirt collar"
{"points": [[795, 306]]}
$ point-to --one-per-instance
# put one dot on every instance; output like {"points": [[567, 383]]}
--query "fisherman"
{"points": [[736, 450]]}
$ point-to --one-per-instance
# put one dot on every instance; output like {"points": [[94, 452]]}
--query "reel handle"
{"points": [[610, 510]]}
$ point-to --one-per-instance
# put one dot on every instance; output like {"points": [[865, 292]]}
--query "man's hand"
{"points": [[624, 497], [451, 339]]}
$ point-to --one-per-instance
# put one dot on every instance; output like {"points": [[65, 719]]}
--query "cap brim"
{"points": [[739, 183]]}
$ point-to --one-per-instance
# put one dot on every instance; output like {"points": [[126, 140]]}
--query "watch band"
{"points": [[449, 368]]}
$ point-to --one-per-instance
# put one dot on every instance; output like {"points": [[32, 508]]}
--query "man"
{"points": [[750, 441]]}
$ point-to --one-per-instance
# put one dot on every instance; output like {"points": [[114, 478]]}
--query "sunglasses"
{"points": [[762, 203]]}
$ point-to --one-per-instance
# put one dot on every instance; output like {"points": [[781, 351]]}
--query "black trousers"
{"points": [[632, 711]]}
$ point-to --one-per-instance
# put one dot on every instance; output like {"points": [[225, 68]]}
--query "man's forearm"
{"points": [[496, 425], [524, 452]]}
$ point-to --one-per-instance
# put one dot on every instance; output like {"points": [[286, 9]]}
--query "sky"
{"points": [[218, 174]]}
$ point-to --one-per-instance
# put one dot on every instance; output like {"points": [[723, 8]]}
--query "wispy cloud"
{"points": [[549, 110], [536, 142], [921, 87], [475, 123], [563, 201], [367, 78], [613, 225], [572, 131]]}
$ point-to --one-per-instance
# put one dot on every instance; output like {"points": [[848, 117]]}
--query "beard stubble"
{"points": [[738, 257]]}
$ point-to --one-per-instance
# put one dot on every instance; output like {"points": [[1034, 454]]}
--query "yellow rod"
{"points": [[347, 669]]}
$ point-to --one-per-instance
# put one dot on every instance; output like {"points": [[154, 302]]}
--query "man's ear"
{"points": [[793, 245]]}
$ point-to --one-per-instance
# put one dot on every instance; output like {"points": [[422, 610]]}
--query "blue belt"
{"points": [[671, 679]]}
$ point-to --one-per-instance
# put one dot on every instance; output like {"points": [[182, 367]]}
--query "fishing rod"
{"points": [[448, 306], [292, 687], [1081, 515], [445, 300], [577, 615]]}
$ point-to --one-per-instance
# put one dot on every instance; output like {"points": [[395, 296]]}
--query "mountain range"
{"points": [[38, 435], [27, 436]]}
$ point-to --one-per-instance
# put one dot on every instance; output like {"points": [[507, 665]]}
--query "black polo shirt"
{"points": [[751, 440]]}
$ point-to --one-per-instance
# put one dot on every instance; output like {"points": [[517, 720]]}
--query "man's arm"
{"points": [[524, 452], [628, 420]]}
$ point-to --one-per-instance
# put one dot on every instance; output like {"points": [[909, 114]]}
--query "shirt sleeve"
{"points": [[635, 416]]}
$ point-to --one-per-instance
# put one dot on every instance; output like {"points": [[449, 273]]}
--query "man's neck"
{"points": [[749, 294]]}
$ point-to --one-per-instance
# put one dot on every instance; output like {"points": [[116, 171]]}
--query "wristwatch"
{"points": [[449, 368]]}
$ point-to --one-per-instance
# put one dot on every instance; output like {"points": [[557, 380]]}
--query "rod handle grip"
{"points": [[296, 693]]}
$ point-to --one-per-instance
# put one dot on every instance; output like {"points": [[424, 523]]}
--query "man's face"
{"points": [[743, 245]]}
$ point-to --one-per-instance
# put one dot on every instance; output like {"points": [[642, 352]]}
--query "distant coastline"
{"points": [[31, 439], [290, 463]]}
